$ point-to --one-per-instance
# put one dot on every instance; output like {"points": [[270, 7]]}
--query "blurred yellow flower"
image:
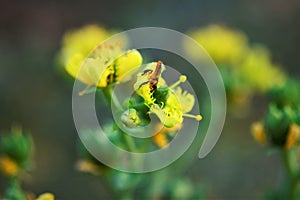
{"points": [[251, 65], [160, 138], [89, 167], [46, 196], [82, 41], [8, 166], [224, 45], [258, 71]]}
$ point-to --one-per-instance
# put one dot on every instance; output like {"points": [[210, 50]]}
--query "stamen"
{"points": [[83, 92], [197, 117], [182, 79]]}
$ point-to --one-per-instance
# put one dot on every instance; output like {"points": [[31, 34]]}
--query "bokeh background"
{"points": [[35, 93]]}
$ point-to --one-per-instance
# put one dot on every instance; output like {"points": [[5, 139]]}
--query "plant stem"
{"points": [[111, 100], [291, 175], [130, 142]]}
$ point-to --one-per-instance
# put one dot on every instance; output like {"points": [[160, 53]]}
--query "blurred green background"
{"points": [[35, 93]]}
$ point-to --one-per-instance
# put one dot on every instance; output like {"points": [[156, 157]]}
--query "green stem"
{"points": [[291, 175], [111, 100], [130, 142], [128, 195], [108, 94]]}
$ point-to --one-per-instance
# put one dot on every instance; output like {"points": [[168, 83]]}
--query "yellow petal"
{"points": [[187, 100], [73, 67], [46, 196], [97, 71], [171, 114], [127, 64], [82, 41]]}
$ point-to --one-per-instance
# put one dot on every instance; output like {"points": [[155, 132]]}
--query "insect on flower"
{"points": [[152, 76], [169, 103]]}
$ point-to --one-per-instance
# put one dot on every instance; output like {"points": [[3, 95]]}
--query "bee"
{"points": [[152, 76]]}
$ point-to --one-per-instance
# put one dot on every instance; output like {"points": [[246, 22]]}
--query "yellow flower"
{"points": [[46, 196], [224, 45], [177, 106], [258, 133], [171, 114], [293, 136], [107, 64], [8, 166], [82, 41], [176, 103], [108, 60]]}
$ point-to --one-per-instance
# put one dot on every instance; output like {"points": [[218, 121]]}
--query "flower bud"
{"points": [[130, 118]]}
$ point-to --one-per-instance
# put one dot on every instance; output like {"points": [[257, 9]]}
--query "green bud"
{"points": [[278, 121], [17, 146], [130, 118]]}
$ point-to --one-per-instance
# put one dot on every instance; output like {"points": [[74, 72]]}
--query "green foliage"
{"points": [[122, 181], [286, 94]]}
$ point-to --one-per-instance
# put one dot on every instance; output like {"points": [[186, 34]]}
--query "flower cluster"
{"points": [[110, 63], [246, 69]]}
